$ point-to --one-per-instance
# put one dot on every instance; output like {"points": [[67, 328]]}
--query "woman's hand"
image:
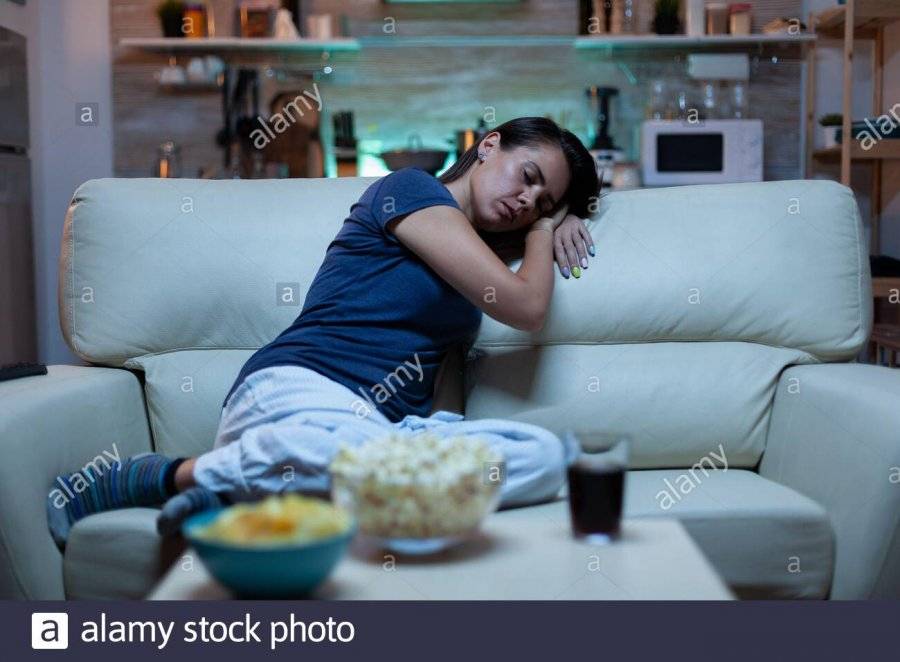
{"points": [[571, 244], [550, 222]]}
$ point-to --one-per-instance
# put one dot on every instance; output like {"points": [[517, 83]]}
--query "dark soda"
{"points": [[595, 498]]}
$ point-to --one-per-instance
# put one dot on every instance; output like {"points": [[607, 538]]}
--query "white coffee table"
{"points": [[521, 554]]}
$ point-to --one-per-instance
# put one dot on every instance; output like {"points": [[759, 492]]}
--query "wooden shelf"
{"points": [[853, 20], [887, 148], [611, 42], [868, 16], [223, 45]]}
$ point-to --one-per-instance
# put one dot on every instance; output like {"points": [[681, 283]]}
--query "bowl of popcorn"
{"points": [[420, 493]]}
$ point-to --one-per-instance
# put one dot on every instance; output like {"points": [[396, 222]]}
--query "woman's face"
{"points": [[513, 188]]}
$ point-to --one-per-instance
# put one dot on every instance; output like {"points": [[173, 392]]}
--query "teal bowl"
{"points": [[272, 571]]}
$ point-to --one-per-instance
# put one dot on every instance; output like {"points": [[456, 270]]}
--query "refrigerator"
{"points": [[18, 327]]}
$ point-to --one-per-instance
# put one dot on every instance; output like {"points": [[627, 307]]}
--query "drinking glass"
{"points": [[596, 477]]}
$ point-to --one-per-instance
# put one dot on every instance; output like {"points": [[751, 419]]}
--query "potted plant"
{"points": [[171, 16], [831, 124], [666, 19]]}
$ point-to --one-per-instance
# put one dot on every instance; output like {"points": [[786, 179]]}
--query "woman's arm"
{"points": [[445, 240], [572, 244]]}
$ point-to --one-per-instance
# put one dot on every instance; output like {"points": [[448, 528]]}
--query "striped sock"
{"points": [[147, 479]]}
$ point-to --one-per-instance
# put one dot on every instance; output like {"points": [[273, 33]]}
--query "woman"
{"points": [[407, 278]]}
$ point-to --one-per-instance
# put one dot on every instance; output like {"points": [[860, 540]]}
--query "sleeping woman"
{"points": [[407, 278]]}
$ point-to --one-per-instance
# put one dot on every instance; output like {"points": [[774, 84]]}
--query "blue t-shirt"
{"points": [[377, 318]]}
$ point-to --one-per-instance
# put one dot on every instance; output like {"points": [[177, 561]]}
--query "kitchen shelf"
{"points": [[455, 41], [238, 45], [222, 45], [611, 42], [868, 17], [886, 148]]}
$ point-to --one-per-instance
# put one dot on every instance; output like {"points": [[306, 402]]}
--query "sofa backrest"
{"points": [[676, 334], [696, 300]]}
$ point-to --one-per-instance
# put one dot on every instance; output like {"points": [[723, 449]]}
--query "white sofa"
{"points": [[712, 319]]}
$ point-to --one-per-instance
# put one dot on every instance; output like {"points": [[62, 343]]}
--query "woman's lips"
{"points": [[507, 212]]}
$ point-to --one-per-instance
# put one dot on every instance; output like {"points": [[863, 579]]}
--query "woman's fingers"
{"points": [[586, 236], [560, 254], [578, 245], [571, 245], [568, 245]]}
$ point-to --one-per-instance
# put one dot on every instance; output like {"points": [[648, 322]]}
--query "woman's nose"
{"points": [[526, 201]]}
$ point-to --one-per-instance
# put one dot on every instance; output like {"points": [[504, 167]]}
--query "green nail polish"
{"points": [[576, 271]]}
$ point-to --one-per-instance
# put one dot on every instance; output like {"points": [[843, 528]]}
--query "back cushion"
{"points": [[696, 300], [184, 392], [677, 401], [783, 264], [155, 265]]}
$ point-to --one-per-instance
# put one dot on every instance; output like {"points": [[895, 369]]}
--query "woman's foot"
{"points": [[147, 479]]}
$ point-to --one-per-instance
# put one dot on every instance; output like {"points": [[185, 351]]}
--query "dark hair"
{"points": [[533, 131]]}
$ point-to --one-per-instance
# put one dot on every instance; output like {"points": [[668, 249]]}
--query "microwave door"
{"points": [[692, 154], [690, 157]]}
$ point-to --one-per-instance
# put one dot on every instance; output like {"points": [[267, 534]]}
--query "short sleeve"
{"points": [[405, 191]]}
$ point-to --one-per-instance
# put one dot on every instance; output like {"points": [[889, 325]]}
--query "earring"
{"points": [[481, 156]]}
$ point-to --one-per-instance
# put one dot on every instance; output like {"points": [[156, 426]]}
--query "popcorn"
{"points": [[416, 486]]}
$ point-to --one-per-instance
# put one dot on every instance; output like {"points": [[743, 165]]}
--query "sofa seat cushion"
{"points": [[765, 539], [117, 555]]}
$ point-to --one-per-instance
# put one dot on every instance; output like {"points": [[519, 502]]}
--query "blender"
{"points": [[603, 148]]}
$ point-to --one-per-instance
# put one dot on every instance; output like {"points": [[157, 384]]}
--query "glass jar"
{"points": [[739, 18], [709, 100], [659, 104], [739, 104]]}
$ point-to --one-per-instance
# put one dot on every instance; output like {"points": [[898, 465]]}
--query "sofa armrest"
{"points": [[53, 424], [834, 437]]}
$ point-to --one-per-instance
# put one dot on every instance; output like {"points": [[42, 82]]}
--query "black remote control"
{"points": [[16, 370]]}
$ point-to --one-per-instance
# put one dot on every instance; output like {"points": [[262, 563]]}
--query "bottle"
{"points": [[695, 18], [168, 160], [657, 107], [345, 152], [585, 12], [599, 20], [629, 16], [617, 17], [710, 99], [739, 105], [622, 18]]}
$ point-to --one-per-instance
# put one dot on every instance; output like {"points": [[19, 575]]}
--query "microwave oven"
{"points": [[675, 152]]}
